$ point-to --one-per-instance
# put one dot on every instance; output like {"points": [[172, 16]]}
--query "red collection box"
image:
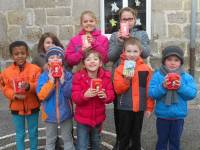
{"points": [[56, 69], [96, 84], [172, 78], [19, 85]]}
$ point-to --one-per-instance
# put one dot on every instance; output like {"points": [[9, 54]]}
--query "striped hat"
{"points": [[55, 50]]}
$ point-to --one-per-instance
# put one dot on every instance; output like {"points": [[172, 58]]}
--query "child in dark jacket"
{"points": [[54, 90], [91, 90], [131, 81], [19, 82], [171, 87]]}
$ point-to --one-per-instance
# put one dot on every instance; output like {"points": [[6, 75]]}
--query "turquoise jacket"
{"points": [[187, 91]]}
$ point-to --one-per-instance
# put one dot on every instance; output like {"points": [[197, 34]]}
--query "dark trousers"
{"points": [[130, 126], [116, 120], [169, 133]]}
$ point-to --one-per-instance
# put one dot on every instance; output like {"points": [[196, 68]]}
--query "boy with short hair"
{"points": [[131, 81], [20, 80], [171, 87]]}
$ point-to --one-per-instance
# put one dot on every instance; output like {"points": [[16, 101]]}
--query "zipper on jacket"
{"points": [[57, 101]]}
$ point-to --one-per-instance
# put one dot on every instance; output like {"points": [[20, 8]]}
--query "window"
{"points": [[109, 14]]}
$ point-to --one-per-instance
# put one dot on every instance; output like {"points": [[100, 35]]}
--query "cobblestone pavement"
{"points": [[190, 137]]}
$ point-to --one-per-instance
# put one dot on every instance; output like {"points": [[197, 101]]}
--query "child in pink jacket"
{"points": [[90, 98], [88, 38]]}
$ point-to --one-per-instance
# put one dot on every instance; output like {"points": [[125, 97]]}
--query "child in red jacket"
{"points": [[91, 90]]}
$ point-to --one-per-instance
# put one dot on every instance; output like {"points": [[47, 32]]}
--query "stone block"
{"points": [[59, 20], [40, 17], [174, 31], [53, 29], [58, 12], [158, 25], [14, 33], [65, 3], [39, 3], [187, 4], [81, 5], [4, 52], [155, 61], [11, 5], [3, 28], [21, 17], [77, 29], [178, 17], [186, 30], [182, 44], [32, 34], [167, 5], [65, 32]]}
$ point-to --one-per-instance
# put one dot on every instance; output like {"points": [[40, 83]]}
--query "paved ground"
{"points": [[190, 137]]}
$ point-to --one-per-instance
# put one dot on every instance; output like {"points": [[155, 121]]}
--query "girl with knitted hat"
{"points": [[171, 87], [54, 91]]}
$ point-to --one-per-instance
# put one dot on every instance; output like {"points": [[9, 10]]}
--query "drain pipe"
{"points": [[193, 37]]}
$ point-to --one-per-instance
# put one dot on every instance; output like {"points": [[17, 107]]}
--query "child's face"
{"points": [[88, 23], [19, 55], [132, 52], [172, 62], [92, 62], [48, 42], [127, 16], [54, 58]]}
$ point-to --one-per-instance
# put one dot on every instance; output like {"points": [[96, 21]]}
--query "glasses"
{"points": [[127, 19]]}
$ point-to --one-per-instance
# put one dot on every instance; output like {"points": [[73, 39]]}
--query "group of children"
{"points": [[131, 86]]}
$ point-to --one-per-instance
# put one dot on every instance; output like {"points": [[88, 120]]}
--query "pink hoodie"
{"points": [[91, 111], [74, 54]]}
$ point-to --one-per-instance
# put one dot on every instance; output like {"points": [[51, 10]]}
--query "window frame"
{"points": [[125, 4]]}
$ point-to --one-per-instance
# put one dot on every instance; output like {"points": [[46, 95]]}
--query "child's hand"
{"points": [[120, 37], [62, 78], [177, 83], [19, 96], [90, 38], [102, 94], [147, 114], [26, 86], [51, 78], [90, 93], [166, 81], [128, 78]]}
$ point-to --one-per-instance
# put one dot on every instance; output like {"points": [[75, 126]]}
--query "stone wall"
{"points": [[28, 19]]}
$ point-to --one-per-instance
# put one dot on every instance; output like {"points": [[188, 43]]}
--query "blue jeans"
{"points": [[83, 137], [169, 133], [32, 123]]}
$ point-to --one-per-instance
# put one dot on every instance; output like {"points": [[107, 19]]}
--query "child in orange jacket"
{"points": [[20, 80], [131, 81]]}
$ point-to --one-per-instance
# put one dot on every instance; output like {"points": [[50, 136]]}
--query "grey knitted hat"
{"points": [[173, 50]]}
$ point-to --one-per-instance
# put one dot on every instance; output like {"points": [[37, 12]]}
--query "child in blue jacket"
{"points": [[55, 94], [171, 87]]}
